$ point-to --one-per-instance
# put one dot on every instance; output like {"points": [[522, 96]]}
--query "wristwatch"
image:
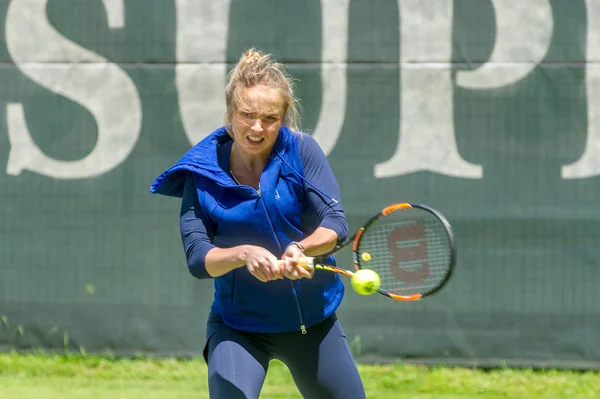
{"points": [[296, 243]]}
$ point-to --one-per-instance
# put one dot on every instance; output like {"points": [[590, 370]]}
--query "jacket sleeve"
{"points": [[318, 172], [196, 231]]}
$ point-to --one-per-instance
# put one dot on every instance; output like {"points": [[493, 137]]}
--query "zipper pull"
{"points": [[303, 329], [258, 191]]}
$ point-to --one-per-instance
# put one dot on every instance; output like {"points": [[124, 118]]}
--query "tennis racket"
{"points": [[410, 246]]}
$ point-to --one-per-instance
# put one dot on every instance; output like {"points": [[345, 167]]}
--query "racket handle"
{"points": [[305, 262]]}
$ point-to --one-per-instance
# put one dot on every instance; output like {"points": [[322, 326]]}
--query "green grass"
{"points": [[89, 377]]}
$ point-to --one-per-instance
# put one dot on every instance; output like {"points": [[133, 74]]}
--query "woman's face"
{"points": [[255, 124]]}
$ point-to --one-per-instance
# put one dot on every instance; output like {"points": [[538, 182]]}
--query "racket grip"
{"points": [[305, 262]]}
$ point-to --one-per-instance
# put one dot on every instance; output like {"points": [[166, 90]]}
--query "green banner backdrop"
{"points": [[486, 110]]}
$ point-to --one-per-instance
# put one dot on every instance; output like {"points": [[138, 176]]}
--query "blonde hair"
{"points": [[255, 68]]}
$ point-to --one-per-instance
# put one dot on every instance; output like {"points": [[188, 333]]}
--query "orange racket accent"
{"points": [[414, 297], [395, 207], [337, 270], [357, 238]]}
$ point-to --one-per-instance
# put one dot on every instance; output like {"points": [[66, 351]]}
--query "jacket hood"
{"points": [[203, 159]]}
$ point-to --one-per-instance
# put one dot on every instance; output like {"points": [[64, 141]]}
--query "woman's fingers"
{"points": [[268, 268], [263, 265], [293, 271], [259, 274], [303, 273], [286, 267], [290, 269], [274, 268]]}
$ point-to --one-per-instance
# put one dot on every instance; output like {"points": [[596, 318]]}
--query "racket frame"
{"points": [[317, 262]]}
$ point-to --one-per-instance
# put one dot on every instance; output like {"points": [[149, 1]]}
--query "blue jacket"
{"points": [[271, 217]]}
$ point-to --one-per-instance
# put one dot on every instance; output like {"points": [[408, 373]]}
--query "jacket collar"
{"points": [[203, 160]]}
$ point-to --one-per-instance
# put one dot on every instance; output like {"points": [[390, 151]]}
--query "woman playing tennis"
{"points": [[255, 191]]}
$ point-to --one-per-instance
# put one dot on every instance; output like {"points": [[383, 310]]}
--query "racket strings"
{"points": [[409, 249]]}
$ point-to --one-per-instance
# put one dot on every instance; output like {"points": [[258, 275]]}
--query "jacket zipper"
{"points": [[294, 292]]}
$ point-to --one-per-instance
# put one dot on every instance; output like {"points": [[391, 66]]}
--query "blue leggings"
{"points": [[320, 361]]}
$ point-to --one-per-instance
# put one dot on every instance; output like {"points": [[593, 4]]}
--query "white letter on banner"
{"points": [[589, 163], [334, 57], [523, 36], [202, 28], [427, 140], [63, 67]]}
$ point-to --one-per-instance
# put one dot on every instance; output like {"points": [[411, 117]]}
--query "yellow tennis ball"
{"points": [[365, 281], [366, 256]]}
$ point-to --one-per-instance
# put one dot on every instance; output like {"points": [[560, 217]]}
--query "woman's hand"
{"points": [[262, 264], [290, 267]]}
